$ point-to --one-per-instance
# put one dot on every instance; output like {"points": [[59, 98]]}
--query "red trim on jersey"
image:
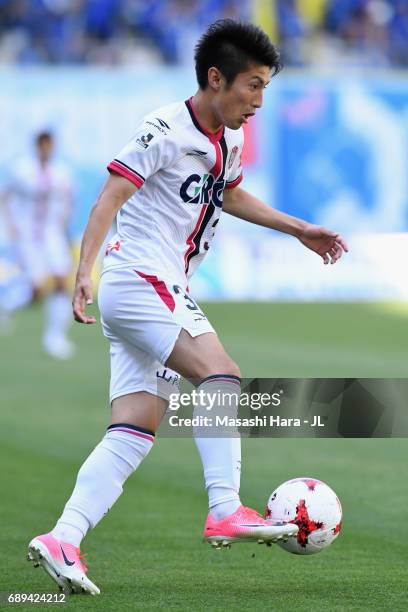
{"points": [[126, 172], [217, 168], [215, 171], [213, 137], [190, 239], [160, 288], [234, 183]]}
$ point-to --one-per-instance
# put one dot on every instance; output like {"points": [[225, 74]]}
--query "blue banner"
{"points": [[341, 151]]}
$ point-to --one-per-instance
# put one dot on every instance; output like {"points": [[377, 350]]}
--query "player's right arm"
{"points": [[116, 191], [151, 148]]}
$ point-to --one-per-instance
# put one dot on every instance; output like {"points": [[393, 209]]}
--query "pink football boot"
{"points": [[63, 562], [245, 525]]}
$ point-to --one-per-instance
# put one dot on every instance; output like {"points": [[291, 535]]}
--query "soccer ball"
{"points": [[312, 506]]}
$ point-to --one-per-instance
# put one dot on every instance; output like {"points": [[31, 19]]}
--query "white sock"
{"points": [[100, 480], [220, 456], [58, 314]]}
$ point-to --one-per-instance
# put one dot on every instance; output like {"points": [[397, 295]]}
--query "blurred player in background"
{"points": [[37, 208], [167, 189]]}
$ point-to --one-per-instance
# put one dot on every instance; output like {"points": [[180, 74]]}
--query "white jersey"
{"points": [[166, 228], [39, 196]]}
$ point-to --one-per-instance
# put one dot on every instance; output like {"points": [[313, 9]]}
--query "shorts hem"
{"points": [[165, 354], [193, 333], [199, 332]]}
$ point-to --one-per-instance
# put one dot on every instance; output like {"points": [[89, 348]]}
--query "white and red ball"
{"points": [[311, 505]]}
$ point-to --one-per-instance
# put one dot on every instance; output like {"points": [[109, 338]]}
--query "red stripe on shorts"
{"points": [[160, 288]]}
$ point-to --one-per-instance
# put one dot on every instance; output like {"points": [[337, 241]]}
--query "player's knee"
{"points": [[201, 357], [224, 365], [232, 369]]}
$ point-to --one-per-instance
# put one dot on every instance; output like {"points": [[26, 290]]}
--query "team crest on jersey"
{"points": [[233, 154], [112, 246], [144, 140]]}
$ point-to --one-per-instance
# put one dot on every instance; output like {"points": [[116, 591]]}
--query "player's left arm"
{"points": [[329, 245]]}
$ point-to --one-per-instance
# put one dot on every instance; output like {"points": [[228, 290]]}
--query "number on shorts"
{"points": [[191, 303]]}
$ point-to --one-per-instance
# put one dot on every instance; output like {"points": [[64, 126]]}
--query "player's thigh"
{"points": [[162, 320], [140, 386], [148, 312], [140, 409], [132, 311], [133, 369], [201, 356], [197, 351]]}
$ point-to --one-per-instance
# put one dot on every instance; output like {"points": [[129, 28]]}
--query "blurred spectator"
{"points": [[106, 31], [291, 32], [358, 32], [326, 32], [343, 32]]}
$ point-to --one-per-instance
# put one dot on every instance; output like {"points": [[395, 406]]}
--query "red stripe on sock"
{"points": [[226, 379], [139, 434]]}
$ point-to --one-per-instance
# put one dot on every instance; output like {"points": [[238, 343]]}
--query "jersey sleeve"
{"points": [[234, 165], [149, 151]]}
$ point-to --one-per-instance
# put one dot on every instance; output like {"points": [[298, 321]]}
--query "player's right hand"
{"points": [[83, 297]]}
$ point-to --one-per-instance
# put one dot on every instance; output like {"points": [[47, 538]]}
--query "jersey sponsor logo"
{"points": [[233, 154], [204, 189], [158, 128], [144, 140]]}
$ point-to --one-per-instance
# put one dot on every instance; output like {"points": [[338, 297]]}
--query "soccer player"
{"points": [[38, 203], [167, 189]]}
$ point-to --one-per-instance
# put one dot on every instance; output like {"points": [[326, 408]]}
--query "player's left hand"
{"points": [[329, 245], [82, 298]]}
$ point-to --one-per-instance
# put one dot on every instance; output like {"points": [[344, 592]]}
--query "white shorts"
{"points": [[142, 317], [50, 255]]}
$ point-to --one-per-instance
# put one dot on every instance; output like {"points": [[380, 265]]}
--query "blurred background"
{"points": [[330, 145], [133, 32]]}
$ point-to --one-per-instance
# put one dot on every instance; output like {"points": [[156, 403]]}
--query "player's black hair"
{"points": [[44, 135], [231, 46]]}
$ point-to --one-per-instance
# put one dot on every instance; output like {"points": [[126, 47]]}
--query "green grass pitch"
{"points": [[147, 553]]}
